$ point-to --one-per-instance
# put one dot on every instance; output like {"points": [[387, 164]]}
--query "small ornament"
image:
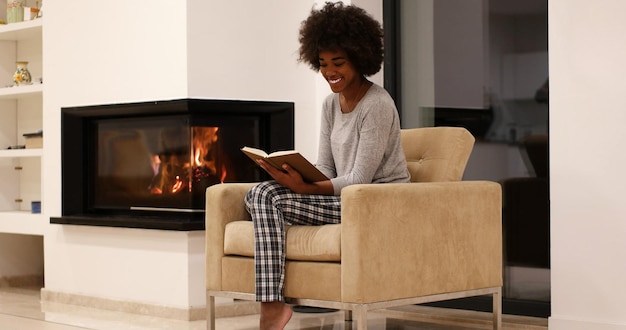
{"points": [[22, 75]]}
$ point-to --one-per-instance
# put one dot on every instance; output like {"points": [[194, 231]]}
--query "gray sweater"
{"points": [[362, 146]]}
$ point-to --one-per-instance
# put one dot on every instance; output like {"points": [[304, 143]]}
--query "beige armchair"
{"points": [[438, 238]]}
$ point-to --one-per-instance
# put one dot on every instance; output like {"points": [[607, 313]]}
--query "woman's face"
{"points": [[338, 71]]}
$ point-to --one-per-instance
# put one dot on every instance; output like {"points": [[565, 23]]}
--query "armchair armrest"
{"points": [[224, 203], [417, 239]]}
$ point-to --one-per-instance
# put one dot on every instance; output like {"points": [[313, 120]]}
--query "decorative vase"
{"points": [[22, 75], [15, 11]]}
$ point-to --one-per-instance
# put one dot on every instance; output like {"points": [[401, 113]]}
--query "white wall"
{"points": [[97, 53], [248, 50], [588, 180]]}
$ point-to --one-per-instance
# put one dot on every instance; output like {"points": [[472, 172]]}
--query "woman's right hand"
{"points": [[292, 179]]}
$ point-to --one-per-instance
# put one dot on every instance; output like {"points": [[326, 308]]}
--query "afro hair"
{"points": [[340, 27]]}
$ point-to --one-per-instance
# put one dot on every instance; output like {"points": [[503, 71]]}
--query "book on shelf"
{"points": [[292, 158]]}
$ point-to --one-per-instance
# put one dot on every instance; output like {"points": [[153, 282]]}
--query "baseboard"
{"points": [[560, 323], [222, 309]]}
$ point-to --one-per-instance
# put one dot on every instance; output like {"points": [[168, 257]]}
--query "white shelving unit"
{"points": [[21, 110]]}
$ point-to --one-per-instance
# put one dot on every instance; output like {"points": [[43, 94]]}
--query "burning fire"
{"points": [[206, 153], [203, 139], [175, 175]]}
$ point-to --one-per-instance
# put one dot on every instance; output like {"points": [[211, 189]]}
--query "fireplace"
{"points": [[147, 165]]}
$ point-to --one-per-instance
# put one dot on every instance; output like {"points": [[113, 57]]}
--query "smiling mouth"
{"points": [[334, 81]]}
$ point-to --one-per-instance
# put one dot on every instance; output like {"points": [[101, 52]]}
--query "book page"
{"points": [[282, 153], [255, 151]]}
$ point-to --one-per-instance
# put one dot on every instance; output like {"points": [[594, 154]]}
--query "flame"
{"points": [[204, 139], [178, 184], [197, 154], [205, 165]]}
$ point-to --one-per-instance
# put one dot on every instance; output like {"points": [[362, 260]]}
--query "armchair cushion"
{"points": [[304, 243]]}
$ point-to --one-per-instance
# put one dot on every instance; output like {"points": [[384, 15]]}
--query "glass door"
{"points": [[483, 65]]}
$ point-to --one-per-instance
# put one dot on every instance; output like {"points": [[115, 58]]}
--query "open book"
{"points": [[293, 158]]}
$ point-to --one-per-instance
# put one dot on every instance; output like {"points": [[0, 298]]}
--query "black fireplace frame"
{"points": [[276, 129]]}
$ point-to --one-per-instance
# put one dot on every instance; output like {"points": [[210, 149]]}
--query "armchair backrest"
{"points": [[435, 154]]}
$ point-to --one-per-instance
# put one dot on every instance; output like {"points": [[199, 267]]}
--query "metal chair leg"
{"points": [[210, 309], [497, 310]]}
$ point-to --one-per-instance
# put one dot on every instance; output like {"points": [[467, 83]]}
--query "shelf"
{"points": [[27, 37], [22, 222], [21, 30], [21, 153], [19, 92]]}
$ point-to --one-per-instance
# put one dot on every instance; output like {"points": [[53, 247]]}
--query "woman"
{"points": [[359, 143]]}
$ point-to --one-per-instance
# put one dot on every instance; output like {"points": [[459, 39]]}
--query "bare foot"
{"points": [[274, 315]]}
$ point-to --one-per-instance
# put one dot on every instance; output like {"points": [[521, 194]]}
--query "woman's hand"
{"points": [[289, 177], [292, 179]]}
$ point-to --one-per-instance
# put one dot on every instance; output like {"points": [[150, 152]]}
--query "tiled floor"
{"points": [[21, 309]]}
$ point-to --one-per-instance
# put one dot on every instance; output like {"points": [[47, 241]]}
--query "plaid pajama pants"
{"points": [[272, 206]]}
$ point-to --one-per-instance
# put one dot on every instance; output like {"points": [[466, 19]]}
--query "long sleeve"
{"points": [[362, 146]]}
